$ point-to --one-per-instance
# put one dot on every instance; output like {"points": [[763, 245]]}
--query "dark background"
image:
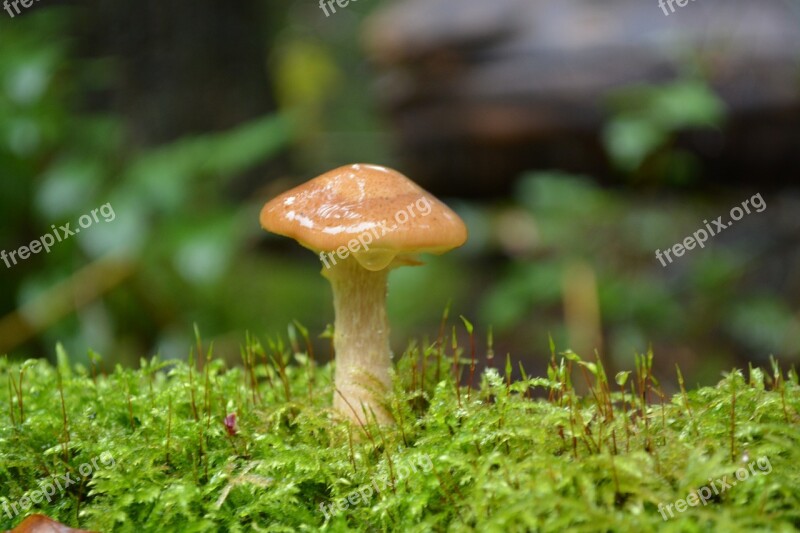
{"points": [[574, 137]]}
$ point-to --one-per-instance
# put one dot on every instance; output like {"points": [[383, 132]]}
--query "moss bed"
{"points": [[200, 446]]}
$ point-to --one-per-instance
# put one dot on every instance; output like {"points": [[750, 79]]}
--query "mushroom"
{"points": [[363, 220], [39, 523]]}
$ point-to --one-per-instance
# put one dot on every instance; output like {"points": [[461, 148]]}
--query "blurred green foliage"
{"points": [[700, 309], [647, 120], [174, 222], [183, 225], [186, 225]]}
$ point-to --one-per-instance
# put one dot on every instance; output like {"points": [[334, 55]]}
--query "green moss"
{"points": [[532, 455]]}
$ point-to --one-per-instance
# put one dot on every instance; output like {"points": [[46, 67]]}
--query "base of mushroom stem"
{"points": [[359, 402]]}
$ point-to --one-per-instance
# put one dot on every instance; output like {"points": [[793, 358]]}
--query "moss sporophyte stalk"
{"points": [[371, 442], [52, 488], [364, 493], [460, 457], [332, 214], [716, 487]]}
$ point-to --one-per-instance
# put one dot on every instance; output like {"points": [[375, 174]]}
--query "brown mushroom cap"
{"points": [[365, 201]]}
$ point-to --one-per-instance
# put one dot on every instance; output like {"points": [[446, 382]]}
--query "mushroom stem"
{"points": [[361, 341]]}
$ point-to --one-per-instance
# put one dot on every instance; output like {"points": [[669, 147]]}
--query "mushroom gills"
{"points": [[375, 259]]}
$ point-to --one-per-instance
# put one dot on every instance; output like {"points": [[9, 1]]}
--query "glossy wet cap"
{"points": [[377, 213]]}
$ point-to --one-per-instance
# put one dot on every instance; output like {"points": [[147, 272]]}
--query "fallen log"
{"points": [[481, 91]]}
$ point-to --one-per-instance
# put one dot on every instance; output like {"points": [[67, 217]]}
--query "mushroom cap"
{"points": [[387, 214]]}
